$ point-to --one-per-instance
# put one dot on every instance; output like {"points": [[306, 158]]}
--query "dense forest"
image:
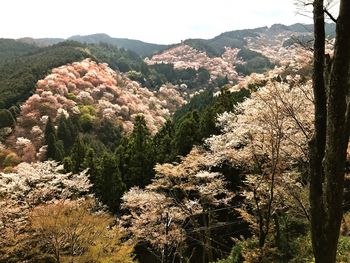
{"points": [[229, 150]]}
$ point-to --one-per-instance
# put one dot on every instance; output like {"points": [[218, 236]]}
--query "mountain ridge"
{"points": [[231, 38]]}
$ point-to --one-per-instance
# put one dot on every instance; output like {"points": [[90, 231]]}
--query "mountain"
{"points": [[141, 48], [40, 42], [93, 93], [238, 53], [10, 48]]}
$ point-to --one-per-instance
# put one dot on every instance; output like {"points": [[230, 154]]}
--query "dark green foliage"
{"points": [[120, 59], [159, 74], [234, 257], [64, 133], [202, 45], [135, 156], [254, 62], [163, 144], [77, 156], [141, 48], [187, 133], [198, 102], [6, 118], [86, 122], [109, 134], [10, 48], [108, 182], [207, 123], [19, 74], [55, 147], [15, 111]]}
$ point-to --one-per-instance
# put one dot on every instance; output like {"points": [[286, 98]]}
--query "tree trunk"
{"points": [[329, 144]]}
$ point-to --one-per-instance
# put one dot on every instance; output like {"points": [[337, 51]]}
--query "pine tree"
{"points": [[109, 185], [163, 144], [187, 133], [77, 155], [64, 134], [136, 157], [54, 149]]}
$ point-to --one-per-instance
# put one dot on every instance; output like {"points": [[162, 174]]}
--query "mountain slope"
{"points": [[137, 46], [10, 48]]}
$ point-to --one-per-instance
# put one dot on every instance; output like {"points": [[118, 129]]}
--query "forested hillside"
{"points": [[205, 151]]}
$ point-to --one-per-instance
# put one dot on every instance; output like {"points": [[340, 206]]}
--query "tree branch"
{"points": [[330, 15]]}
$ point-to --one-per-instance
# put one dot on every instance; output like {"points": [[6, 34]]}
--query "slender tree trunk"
{"points": [[329, 144]]}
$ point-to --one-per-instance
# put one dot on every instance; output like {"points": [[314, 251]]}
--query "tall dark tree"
{"points": [[108, 182], [64, 133], [329, 143], [55, 149], [6, 118], [135, 156], [187, 133], [163, 144], [78, 154]]}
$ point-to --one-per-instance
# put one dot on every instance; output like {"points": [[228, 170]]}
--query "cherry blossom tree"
{"points": [[178, 200]]}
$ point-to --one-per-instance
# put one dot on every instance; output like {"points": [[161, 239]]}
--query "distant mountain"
{"points": [[10, 48], [41, 42], [141, 48]]}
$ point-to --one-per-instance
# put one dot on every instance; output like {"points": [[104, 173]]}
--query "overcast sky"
{"points": [[157, 21]]}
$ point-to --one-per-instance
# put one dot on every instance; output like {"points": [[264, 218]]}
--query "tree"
{"points": [[55, 148], [30, 186], [187, 133], [181, 192], [72, 232], [163, 144], [332, 122], [64, 133], [267, 137], [109, 185], [6, 119], [77, 155], [135, 155]]}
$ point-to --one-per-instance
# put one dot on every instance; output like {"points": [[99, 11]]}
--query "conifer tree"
{"points": [[135, 155], [78, 153], [108, 182], [64, 134], [163, 144], [187, 133]]}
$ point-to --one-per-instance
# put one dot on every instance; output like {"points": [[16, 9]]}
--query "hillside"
{"points": [[141, 48], [10, 48], [93, 93], [240, 52], [21, 70]]}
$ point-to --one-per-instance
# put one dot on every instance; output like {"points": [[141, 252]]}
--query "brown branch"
{"points": [[330, 15]]}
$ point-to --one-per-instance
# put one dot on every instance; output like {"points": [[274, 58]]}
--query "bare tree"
{"points": [[329, 143]]}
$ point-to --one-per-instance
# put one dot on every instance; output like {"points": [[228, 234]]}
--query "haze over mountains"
{"points": [[213, 46]]}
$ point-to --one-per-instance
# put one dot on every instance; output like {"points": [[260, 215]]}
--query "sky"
{"points": [[155, 21]]}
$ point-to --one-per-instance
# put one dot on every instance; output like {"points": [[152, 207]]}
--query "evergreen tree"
{"points": [[163, 144], [64, 134], [55, 148], [77, 155], [6, 118], [187, 133], [109, 134], [135, 156], [207, 121], [108, 182]]}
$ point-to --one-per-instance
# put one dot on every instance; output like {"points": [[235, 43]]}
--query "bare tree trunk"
{"points": [[329, 144]]}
